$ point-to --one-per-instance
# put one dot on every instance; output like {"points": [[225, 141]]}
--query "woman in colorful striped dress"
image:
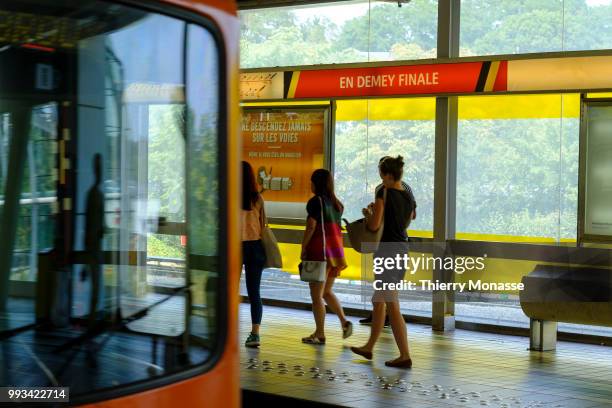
{"points": [[322, 185]]}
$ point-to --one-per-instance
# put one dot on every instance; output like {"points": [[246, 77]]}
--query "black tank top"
{"points": [[399, 205]]}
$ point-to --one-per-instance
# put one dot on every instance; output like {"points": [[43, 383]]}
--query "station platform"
{"points": [[457, 369]]}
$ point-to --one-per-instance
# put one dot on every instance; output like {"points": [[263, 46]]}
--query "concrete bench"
{"points": [[565, 294]]}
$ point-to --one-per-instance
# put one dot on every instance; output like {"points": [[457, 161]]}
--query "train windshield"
{"points": [[109, 195]]}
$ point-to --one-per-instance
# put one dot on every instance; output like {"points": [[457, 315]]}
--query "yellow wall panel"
{"points": [[527, 106], [599, 95], [543, 106], [386, 109], [403, 109], [353, 259], [351, 110], [291, 258], [282, 104], [360, 267], [504, 238]]}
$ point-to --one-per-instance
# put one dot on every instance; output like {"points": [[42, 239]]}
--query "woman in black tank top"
{"points": [[393, 210]]}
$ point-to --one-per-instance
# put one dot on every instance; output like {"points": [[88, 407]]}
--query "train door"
{"points": [[113, 198]]}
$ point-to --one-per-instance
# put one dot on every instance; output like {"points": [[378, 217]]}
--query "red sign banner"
{"points": [[563, 74], [467, 77]]}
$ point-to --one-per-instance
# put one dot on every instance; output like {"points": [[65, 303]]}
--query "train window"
{"points": [[110, 196]]}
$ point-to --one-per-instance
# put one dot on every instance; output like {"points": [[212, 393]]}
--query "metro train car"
{"points": [[119, 257]]}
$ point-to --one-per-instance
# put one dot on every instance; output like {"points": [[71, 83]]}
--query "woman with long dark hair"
{"points": [[327, 204], [393, 210], [253, 253]]}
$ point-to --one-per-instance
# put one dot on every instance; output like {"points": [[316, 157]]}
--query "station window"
{"points": [[517, 168], [332, 33], [110, 196], [35, 222], [501, 27], [366, 130]]}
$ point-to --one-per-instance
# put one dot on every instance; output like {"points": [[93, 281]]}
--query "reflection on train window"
{"points": [[109, 195]]}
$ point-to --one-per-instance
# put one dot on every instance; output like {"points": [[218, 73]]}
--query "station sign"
{"points": [[261, 85], [375, 81], [470, 77], [399, 80]]}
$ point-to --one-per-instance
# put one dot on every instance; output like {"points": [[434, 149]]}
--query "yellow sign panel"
{"points": [[154, 93], [261, 85]]}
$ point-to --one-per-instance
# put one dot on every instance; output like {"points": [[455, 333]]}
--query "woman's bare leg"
{"points": [[378, 320], [318, 307], [398, 325], [332, 301]]}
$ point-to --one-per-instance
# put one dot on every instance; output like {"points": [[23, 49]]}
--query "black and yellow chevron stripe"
{"points": [[487, 77]]}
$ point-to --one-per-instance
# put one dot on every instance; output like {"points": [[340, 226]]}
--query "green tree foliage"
{"points": [[275, 37], [204, 184], [515, 177], [359, 147], [41, 146], [165, 161], [510, 27], [279, 37], [164, 246], [387, 25]]}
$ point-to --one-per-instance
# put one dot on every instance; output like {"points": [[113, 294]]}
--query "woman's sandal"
{"points": [[347, 329], [399, 363], [312, 339], [362, 353]]}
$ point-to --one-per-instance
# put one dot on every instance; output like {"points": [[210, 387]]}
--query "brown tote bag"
{"points": [[362, 239], [274, 259]]}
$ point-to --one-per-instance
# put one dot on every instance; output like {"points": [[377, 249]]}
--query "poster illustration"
{"points": [[284, 147]]}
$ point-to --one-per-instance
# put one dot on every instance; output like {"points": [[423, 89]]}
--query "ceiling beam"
{"points": [[255, 4]]}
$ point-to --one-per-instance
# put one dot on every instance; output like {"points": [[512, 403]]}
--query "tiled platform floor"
{"points": [[461, 369]]}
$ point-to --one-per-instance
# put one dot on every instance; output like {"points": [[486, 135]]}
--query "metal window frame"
{"points": [[445, 169], [585, 104], [263, 4]]}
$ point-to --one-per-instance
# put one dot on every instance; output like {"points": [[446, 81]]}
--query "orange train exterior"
{"points": [[218, 387]]}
